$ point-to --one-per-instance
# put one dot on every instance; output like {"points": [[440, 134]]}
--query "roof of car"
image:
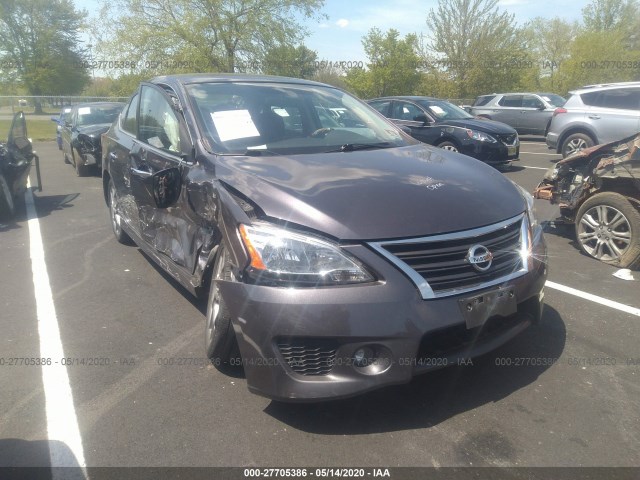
{"points": [[406, 97], [97, 104], [191, 78], [604, 86]]}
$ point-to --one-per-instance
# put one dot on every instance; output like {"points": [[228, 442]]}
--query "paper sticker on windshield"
{"points": [[436, 109], [281, 111], [234, 124], [84, 111], [546, 99]]}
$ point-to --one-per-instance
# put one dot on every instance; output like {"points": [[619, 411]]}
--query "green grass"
{"points": [[37, 129]]}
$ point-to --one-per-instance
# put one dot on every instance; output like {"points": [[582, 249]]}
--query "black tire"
{"points": [[116, 219], [608, 228], [65, 158], [446, 145], [576, 142], [7, 205], [220, 340]]}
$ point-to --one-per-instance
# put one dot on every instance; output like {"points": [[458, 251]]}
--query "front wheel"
{"points": [[608, 229], [576, 142], [450, 146], [116, 218], [220, 340]]}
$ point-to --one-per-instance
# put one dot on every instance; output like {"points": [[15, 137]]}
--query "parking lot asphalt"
{"points": [[566, 392]]}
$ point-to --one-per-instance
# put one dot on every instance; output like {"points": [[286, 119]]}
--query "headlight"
{"points": [[282, 257], [481, 136], [531, 205]]}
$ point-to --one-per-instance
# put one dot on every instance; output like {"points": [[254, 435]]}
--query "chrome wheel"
{"points": [[604, 233], [115, 216], [214, 308], [449, 146], [575, 145]]}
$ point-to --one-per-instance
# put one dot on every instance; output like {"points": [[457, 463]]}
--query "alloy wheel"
{"points": [[604, 233]]}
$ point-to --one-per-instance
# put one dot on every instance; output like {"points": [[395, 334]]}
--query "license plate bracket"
{"points": [[477, 309]]}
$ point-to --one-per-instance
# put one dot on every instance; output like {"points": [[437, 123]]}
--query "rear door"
{"points": [[613, 114], [534, 117], [19, 155], [508, 110]]}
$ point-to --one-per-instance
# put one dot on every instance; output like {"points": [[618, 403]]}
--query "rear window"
{"points": [[483, 100]]}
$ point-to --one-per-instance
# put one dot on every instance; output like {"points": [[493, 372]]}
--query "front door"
{"points": [[157, 172]]}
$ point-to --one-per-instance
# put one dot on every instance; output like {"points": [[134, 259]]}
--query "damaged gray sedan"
{"points": [[598, 190], [80, 132], [337, 254]]}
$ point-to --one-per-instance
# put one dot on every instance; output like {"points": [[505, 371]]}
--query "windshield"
{"points": [[442, 110], [553, 99], [95, 115], [275, 118]]}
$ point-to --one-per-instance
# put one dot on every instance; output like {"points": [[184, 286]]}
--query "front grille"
{"points": [[508, 140], [442, 260], [310, 357]]}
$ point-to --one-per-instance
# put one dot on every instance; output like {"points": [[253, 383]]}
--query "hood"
{"points": [[487, 126], [94, 130], [375, 194]]}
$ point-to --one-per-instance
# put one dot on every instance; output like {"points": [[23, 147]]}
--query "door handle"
{"points": [[594, 117]]}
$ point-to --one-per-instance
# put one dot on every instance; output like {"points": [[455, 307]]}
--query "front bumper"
{"points": [[299, 344], [492, 153]]}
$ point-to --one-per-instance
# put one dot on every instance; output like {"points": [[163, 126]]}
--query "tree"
{"points": [[39, 39], [474, 36], [606, 15], [297, 62], [218, 35], [392, 67], [550, 41]]}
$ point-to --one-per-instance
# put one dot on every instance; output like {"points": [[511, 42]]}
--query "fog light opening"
{"points": [[371, 359]]}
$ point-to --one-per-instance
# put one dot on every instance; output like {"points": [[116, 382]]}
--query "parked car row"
{"points": [[321, 229], [79, 130]]}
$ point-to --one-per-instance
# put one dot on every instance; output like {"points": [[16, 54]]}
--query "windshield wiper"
{"points": [[350, 147]]}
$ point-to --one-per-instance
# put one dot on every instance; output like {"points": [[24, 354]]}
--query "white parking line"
{"points": [[537, 168], [65, 443], [534, 143], [594, 298]]}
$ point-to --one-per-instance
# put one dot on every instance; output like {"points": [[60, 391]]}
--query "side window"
{"points": [[623, 99], [511, 101], [529, 101], [66, 118], [382, 107], [405, 111], [590, 98], [481, 101], [130, 122], [158, 124]]}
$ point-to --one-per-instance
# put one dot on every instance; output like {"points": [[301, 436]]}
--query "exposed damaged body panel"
{"points": [[598, 190], [613, 167]]}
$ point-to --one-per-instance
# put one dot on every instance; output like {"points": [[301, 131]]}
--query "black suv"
{"points": [[440, 123], [330, 245]]}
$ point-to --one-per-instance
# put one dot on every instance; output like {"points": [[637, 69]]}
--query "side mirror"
{"points": [[54, 119], [405, 129], [541, 107]]}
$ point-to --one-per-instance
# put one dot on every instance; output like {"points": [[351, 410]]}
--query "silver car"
{"points": [[594, 115], [528, 113]]}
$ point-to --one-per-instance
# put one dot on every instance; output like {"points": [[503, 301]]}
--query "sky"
{"points": [[339, 36]]}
